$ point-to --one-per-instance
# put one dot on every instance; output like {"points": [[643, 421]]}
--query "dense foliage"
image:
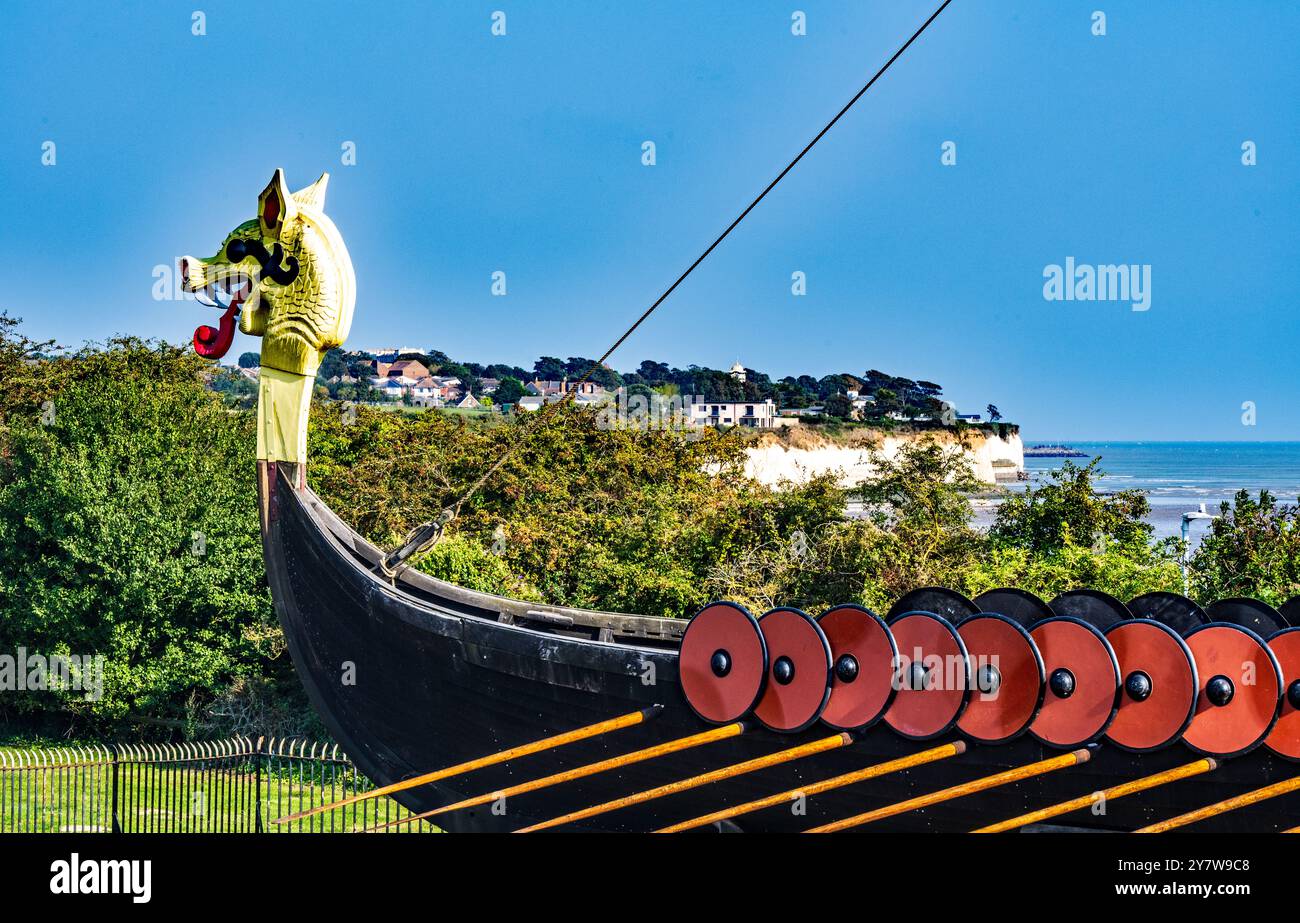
{"points": [[128, 527]]}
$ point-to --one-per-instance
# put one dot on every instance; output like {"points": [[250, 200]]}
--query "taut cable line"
{"points": [[428, 533]]}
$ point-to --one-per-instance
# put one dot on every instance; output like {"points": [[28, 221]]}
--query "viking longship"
{"points": [[483, 713]]}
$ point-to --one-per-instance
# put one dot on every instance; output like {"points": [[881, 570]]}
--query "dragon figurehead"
{"points": [[289, 272]]}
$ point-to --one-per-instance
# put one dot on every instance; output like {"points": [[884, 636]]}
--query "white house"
{"points": [[758, 414]]}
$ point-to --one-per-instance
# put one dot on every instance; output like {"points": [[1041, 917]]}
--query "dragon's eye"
{"points": [[236, 250]]}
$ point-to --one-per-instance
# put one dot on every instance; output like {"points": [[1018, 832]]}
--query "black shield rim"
{"points": [[1101, 609], [1029, 609]]}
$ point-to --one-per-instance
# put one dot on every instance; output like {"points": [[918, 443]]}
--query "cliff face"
{"points": [[799, 456]]}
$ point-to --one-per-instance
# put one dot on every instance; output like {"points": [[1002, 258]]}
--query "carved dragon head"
{"points": [[289, 272]]}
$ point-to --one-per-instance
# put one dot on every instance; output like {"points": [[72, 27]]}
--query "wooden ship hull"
{"points": [[414, 674]]}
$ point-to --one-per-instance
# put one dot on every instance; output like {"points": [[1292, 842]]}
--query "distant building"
{"points": [[738, 371], [488, 385], [588, 389], [758, 414], [408, 368], [539, 388], [530, 402], [969, 417], [469, 402]]}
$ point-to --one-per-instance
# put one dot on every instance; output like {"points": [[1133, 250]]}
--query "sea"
{"points": [[1178, 477]]}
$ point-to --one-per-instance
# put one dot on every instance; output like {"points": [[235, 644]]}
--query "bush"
{"points": [[1252, 549]]}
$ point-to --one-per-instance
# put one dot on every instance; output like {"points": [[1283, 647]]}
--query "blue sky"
{"points": [[522, 153]]}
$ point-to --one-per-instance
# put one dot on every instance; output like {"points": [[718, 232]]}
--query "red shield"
{"points": [[862, 655], [1007, 678], [932, 679], [1082, 683], [1284, 739], [1159, 691], [799, 670], [1238, 693], [723, 662]]}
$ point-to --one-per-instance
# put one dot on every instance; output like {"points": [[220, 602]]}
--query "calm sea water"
{"points": [[1179, 476]]}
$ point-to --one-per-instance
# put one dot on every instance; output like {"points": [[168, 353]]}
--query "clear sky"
{"points": [[523, 153]]}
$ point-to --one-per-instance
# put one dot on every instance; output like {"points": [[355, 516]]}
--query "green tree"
{"points": [[1068, 510], [251, 360], [1252, 549], [838, 406], [128, 529], [509, 391]]}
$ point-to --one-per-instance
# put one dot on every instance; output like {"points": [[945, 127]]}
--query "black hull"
{"points": [[439, 680]]}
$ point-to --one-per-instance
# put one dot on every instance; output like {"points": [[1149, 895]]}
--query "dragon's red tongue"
{"points": [[213, 343]]}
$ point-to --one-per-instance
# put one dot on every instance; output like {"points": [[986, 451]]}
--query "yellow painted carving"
{"points": [[298, 318]]}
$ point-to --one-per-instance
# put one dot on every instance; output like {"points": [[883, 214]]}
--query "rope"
{"points": [[428, 533]]}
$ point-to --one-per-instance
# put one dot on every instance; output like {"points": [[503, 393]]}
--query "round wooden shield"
{"points": [[948, 604], [1098, 609], [1238, 692], [1172, 609], [1284, 739], [1018, 605], [798, 672], [932, 678], [1259, 617], [1159, 685], [1007, 678], [1082, 683], [862, 672], [722, 665], [1290, 610]]}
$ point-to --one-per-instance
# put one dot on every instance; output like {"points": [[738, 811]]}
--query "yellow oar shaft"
{"points": [[590, 769], [537, 746], [861, 775], [1223, 807], [1107, 794], [958, 791], [717, 775]]}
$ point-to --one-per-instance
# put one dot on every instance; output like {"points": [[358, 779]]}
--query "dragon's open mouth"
{"points": [[231, 289]]}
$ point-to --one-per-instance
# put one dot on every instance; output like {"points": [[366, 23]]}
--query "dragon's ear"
{"points": [[275, 206], [313, 196]]}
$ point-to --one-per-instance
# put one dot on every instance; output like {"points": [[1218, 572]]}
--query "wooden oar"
{"points": [[1108, 794], [1223, 807], [1063, 761], [717, 775], [861, 775], [537, 746], [580, 772]]}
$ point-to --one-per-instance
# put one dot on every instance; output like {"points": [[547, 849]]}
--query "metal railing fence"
{"points": [[236, 785]]}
